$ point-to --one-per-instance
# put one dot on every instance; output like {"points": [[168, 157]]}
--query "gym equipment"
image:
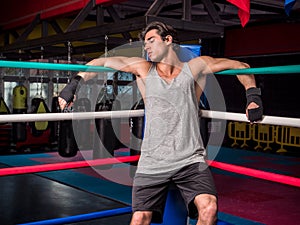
{"points": [[82, 128], [67, 145], [19, 107], [136, 134], [38, 105], [106, 138]]}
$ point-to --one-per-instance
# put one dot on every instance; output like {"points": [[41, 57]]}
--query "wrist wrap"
{"points": [[254, 95], [69, 90]]}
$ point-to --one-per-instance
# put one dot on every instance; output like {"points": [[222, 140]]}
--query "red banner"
{"points": [[15, 13], [244, 10]]}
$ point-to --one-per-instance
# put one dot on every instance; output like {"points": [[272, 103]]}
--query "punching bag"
{"points": [[38, 105], [67, 145], [3, 108], [136, 135], [107, 133], [82, 128], [19, 107]]}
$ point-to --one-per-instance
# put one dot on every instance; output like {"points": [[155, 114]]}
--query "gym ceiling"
{"points": [[31, 29]]}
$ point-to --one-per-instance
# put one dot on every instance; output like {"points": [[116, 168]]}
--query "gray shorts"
{"points": [[191, 181]]}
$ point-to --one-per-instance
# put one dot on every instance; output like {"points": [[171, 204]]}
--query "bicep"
{"points": [[127, 64], [218, 64]]}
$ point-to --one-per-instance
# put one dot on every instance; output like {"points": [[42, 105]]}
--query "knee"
{"points": [[141, 218], [207, 209]]}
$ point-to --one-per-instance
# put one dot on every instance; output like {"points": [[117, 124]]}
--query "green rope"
{"points": [[263, 70], [53, 66], [85, 68]]}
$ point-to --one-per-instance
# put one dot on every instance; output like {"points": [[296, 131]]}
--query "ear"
{"points": [[169, 39]]}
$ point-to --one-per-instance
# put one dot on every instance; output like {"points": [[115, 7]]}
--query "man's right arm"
{"points": [[134, 65]]}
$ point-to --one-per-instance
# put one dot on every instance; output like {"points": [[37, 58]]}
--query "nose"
{"points": [[146, 47]]}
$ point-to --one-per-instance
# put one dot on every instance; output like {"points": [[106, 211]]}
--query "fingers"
{"points": [[62, 103], [252, 105], [254, 112]]}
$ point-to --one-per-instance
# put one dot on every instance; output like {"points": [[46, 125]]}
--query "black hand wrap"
{"points": [[254, 95], [69, 90]]}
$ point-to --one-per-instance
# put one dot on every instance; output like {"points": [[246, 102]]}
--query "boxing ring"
{"points": [[274, 120]]}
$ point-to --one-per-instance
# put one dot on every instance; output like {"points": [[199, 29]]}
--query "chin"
{"points": [[154, 59]]}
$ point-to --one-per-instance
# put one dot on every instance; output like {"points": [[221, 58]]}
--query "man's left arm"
{"points": [[254, 106]]}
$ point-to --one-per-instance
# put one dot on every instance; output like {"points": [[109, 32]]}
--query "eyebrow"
{"points": [[149, 38]]}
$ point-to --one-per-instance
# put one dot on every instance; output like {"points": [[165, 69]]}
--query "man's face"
{"points": [[154, 46]]}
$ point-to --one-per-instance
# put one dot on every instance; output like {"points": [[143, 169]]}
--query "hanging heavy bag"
{"points": [[3, 108], [136, 135], [82, 129], [38, 105], [67, 145], [19, 107], [107, 133]]}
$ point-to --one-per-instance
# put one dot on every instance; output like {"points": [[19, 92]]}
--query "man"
{"points": [[172, 151]]}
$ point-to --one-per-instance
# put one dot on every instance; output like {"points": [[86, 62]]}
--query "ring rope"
{"points": [[54, 66], [272, 120], [284, 179], [31, 117], [86, 68], [263, 70], [82, 217], [279, 178], [66, 165]]}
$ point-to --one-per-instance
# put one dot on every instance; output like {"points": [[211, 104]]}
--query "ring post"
{"points": [[175, 210]]}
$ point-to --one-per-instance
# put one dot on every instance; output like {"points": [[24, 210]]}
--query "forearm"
{"points": [[95, 62], [248, 81]]}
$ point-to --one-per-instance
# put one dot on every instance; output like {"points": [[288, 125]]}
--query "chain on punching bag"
{"points": [[54, 125], [136, 134], [67, 145], [19, 107], [108, 130]]}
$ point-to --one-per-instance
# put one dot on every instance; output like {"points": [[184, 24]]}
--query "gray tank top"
{"points": [[172, 134]]}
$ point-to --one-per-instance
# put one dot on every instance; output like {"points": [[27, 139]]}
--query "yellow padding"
{"points": [[3, 107], [42, 125], [20, 97]]}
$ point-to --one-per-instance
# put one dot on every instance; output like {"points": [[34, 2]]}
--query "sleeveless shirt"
{"points": [[172, 132]]}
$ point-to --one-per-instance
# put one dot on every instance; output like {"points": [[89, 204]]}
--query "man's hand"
{"points": [[66, 96], [254, 110], [63, 104]]}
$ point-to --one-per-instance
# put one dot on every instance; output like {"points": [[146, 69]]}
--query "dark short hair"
{"points": [[162, 29]]}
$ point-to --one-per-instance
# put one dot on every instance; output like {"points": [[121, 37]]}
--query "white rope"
{"points": [[33, 117], [30, 117], [241, 117]]}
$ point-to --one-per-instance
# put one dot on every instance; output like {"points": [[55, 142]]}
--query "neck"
{"points": [[169, 65], [168, 70]]}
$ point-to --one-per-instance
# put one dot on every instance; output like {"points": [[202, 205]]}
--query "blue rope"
{"points": [[82, 217]]}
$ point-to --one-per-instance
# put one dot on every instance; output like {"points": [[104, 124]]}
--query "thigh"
{"points": [[194, 180], [150, 198]]}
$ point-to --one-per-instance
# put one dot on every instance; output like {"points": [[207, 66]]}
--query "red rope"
{"points": [[98, 162], [66, 165], [256, 173]]}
